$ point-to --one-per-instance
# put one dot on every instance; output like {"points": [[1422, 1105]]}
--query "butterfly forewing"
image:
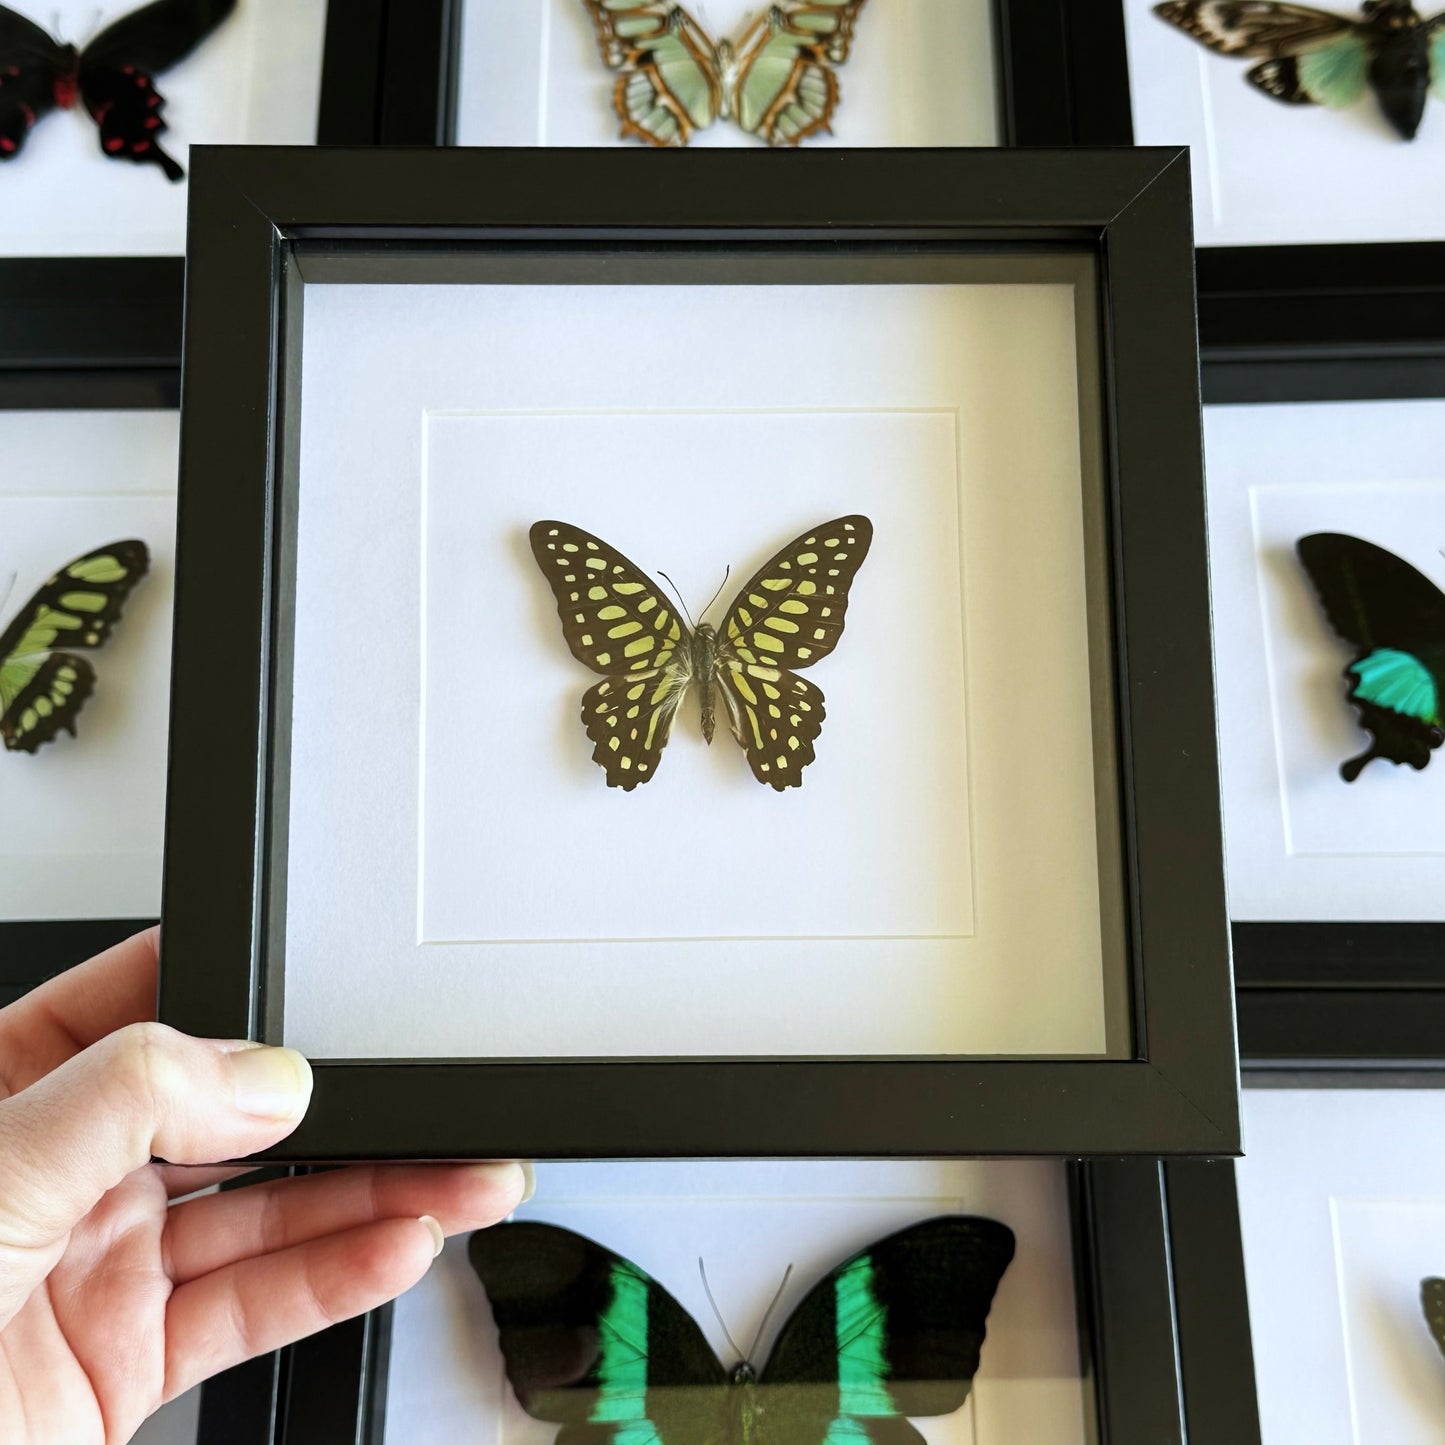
{"points": [[1254, 29], [42, 684], [592, 1341]]}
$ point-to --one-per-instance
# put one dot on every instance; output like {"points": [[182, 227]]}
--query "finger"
{"points": [[55, 1021], [207, 1234], [262, 1304], [72, 1137]]}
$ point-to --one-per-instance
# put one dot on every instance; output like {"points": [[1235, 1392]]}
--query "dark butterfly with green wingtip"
{"points": [[1395, 618], [1315, 57], [43, 684], [593, 1343]]}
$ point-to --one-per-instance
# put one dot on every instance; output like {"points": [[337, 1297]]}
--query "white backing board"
{"points": [[1301, 843], [749, 1220], [441, 781], [1342, 1207], [920, 73], [255, 80], [85, 816], [1266, 173]]}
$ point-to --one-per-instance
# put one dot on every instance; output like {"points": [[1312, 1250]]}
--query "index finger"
{"points": [[52, 1023]]}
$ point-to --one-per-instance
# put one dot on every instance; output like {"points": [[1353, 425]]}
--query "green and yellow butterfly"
{"points": [[620, 624], [43, 683], [777, 81]]}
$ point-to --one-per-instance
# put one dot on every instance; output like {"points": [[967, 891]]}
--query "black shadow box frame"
{"points": [[104, 312], [1163, 1323], [1375, 309], [266, 225], [1352, 997], [33, 950]]}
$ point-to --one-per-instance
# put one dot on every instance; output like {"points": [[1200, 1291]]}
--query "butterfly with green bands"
{"points": [[594, 1343], [620, 624], [43, 683], [1394, 617], [1316, 57], [777, 81]]}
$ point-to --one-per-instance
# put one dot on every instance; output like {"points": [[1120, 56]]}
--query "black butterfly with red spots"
{"points": [[114, 76]]}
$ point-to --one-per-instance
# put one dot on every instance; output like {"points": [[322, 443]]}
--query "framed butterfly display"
{"points": [[87, 514], [743, 73], [922, 682]]}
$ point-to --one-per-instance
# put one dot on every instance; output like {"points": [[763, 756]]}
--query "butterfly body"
{"points": [[113, 76], [593, 1342], [43, 683], [1394, 617], [775, 82], [1317, 57], [617, 622]]}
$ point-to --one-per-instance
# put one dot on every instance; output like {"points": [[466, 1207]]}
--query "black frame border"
{"points": [[266, 223], [1163, 1318], [107, 312]]}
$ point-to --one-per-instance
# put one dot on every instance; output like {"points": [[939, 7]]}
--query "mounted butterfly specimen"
{"points": [[622, 625], [113, 76], [776, 81], [1316, 57], [591, 1341], [1432, 1301], [1395, 619], [43, 683]]}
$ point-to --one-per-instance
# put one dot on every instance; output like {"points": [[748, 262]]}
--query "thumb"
{"points": [[144, 1090]]}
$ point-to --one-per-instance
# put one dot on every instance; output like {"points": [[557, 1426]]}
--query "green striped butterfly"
{"points": [[1395, 618], [43, 683], [619, 623], [777, 81], [1315, 57], [592, 1342]]}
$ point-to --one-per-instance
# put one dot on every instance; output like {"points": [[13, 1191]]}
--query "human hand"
{"points": [[112, 1301]]}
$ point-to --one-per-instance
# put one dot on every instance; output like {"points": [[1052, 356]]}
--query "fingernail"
{"points": [[438, 1239], [529, 1176], [270, 1083]]}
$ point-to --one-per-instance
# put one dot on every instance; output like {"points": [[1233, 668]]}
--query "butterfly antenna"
{"points": [[707, 1289], [685, 613], [768, 1313], [720, 586]]}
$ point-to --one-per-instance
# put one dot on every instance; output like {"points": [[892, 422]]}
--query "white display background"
{"points": [[921, 73], [85, 816], [1269, 173], [748, 1220], [255, 80], [411, 683], [1342, 1207], [1300, 842]]}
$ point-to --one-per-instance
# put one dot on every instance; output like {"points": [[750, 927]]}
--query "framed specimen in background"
{"points": [[782, 976], [96, 209], [1119, 1318], [85, 628]]}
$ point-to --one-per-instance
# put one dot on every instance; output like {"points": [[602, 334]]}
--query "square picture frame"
{"points": [[1163, 1323], [269, 226], [104, 312]]}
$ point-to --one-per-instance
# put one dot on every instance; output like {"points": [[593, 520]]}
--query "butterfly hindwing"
{"points": [[896, 1330], [1394, 617], [592, 1341], [668, 85], [42, 683]]}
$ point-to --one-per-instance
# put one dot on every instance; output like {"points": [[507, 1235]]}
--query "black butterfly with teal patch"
{"points": [[594, 1344], [113, 76], [43, 684], [1395, 618], [1316, 57]]}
